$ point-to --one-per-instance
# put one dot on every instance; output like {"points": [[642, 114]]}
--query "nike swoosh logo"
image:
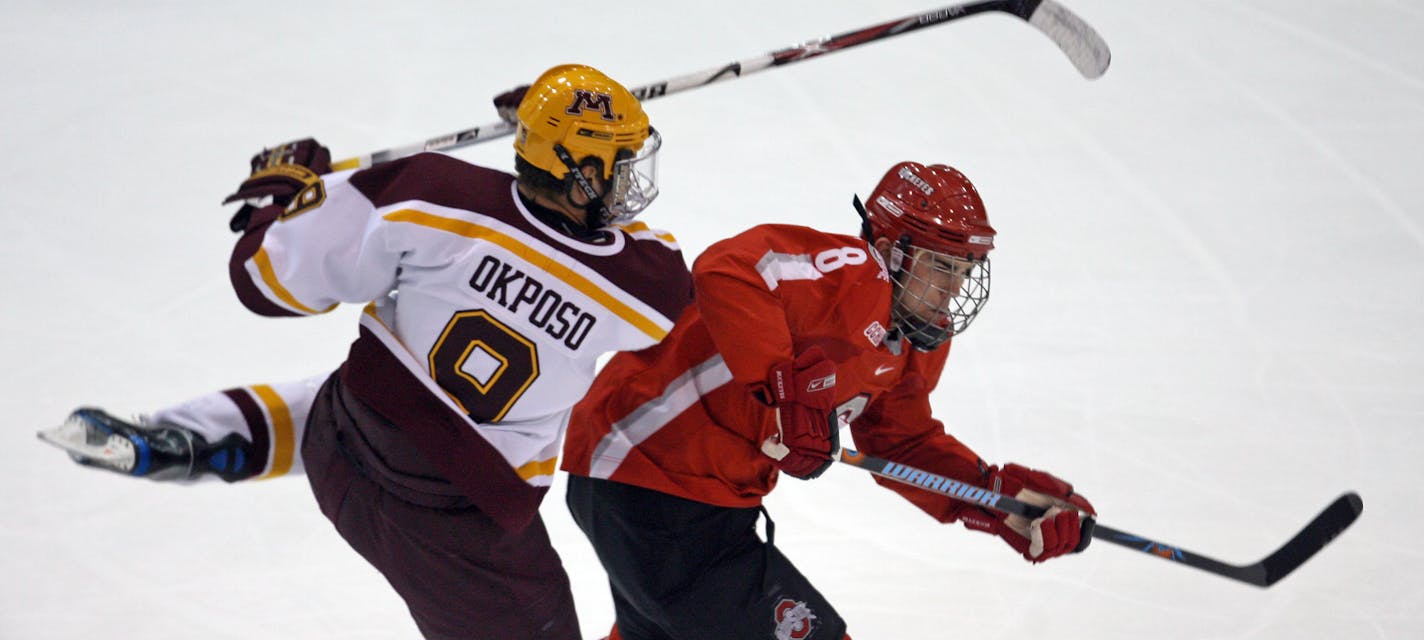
{"points": [[883, 368]]}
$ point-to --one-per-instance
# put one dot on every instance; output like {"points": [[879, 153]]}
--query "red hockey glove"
{"points": [[507, 103], [803, 393], [1060, 531], [290, 174]]}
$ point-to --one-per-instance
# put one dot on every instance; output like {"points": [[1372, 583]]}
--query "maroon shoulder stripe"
{"points": [[645, 270], [651, 273]]}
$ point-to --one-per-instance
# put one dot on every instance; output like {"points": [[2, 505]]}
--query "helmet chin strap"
{"points": [[894, 338], [596, 213]]}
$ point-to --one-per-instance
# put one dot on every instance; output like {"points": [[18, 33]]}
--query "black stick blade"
{"points": [[1301, 547], [1325, 527]]}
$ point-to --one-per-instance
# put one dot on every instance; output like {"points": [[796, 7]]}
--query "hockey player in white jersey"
{"points": [[432, 445]]}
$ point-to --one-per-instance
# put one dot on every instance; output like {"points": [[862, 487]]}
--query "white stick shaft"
{"points": [[1084, 48]]}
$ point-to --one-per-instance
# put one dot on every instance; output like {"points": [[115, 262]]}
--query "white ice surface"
{"points": [[1206, 313]]}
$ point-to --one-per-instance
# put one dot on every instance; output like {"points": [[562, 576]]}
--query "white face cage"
{"points": [[937, 295], [635, 181]]}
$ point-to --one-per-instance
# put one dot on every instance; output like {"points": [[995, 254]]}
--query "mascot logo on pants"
{"points": [[793, 620]]}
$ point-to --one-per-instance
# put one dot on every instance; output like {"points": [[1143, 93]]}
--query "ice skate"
{"points": [[94, 438]]}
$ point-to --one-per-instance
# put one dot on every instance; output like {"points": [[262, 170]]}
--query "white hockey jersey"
{"points": [[484, 324]]}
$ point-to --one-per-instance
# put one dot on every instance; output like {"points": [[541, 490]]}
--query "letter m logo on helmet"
{"points": [[583, 110], [585, 100], [573, 115]]}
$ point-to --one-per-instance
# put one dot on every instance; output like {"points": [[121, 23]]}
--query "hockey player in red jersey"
{"points": [[793, 333], [432, 445]]}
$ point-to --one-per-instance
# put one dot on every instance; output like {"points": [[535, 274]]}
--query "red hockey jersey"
{"points": [[678, 417]]}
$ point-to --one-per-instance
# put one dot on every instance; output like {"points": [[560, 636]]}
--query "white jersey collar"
{"points": [[591, 248]]}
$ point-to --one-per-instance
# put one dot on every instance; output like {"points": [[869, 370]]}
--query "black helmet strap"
{"points": [[596, 213], [864, 218]]}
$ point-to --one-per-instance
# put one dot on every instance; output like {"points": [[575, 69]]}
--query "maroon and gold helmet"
{"points": [[573, 112]]}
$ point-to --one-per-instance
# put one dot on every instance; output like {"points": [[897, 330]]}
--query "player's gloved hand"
{"points": [[1064, 529], [289, 174], [507, 103], [803, 393]]}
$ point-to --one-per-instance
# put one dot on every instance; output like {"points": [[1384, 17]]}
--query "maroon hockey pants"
{"points": [[461, 575]]}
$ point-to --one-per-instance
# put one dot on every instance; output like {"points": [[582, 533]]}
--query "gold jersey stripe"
{"points": [[283, 435], [370, 310], [639, 227], [538, 468], [269, 276], [529, 254]]}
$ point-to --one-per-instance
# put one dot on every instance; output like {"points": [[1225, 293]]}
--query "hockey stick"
{"points": [[1319, 532], [1083, 46]]}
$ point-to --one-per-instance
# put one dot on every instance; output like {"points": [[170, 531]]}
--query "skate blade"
{"points": [[89, 446]]}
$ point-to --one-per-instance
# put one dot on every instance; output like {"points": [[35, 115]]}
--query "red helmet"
{"points": [[939, 258], [935, 207]]}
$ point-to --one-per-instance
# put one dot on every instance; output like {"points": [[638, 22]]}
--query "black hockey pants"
{"points": [[685, 570]]}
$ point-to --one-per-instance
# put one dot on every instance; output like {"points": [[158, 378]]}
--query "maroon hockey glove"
{"points": [[507, 103], [803, 393], [283, 171], [1060, 531], [290, 174]]}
